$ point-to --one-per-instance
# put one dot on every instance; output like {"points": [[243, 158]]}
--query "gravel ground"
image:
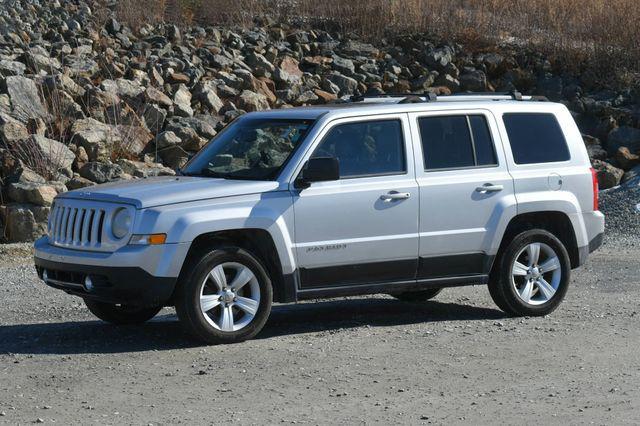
{"points": [[621, 206], [370, 359]]}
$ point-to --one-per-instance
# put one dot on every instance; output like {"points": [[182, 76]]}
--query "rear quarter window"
{"points": [[536, 138]]}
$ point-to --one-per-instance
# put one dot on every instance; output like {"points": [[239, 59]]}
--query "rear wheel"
{"points": [[417, 296], [121, 314], [226, 298], [533, 275]]}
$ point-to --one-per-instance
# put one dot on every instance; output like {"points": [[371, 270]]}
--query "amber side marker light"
{"points": [[148, 240]]}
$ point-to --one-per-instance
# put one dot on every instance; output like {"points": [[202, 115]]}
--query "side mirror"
{"points": [[322, 169]]}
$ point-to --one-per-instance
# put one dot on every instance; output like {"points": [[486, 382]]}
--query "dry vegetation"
{"points": [[601, 33]]}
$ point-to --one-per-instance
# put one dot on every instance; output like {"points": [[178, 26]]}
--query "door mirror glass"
{"points": [[320, 169]]}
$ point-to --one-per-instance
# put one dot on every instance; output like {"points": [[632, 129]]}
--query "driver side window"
{"points": [[367, 148]]}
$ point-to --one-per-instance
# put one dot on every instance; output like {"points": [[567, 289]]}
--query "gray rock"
{"points": [[473, 80], [101, 172], [34, 193], [252, 101], [206, 93], [167, 139], [81, 66], [260, 64], [141, 169], [154, 117], [343, 65], [123, 87], [624, 136], [182, 100], [25, 98], [448, 81], [55, 154], [632, 177], [24, 222], [13, 131], [346, 85], [95, 137], [439, 58], [608, 175], [595, 150], [551, 87], [155, 96], [78, 182], [8, 68], [190, 140]]}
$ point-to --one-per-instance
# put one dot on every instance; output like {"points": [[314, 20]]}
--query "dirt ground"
{"points": [[358, 360]]}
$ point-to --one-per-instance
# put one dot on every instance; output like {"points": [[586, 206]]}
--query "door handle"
{"points": [[395, 196], [488, 187]]}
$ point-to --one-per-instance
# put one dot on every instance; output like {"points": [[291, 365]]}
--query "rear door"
{"points": [[363, 228], [465, 188]]}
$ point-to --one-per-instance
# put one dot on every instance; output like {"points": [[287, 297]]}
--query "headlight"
{"points": [[121, 223]]}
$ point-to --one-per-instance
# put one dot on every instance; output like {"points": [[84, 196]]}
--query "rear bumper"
{"points": [[125, 285], [594, 227]]}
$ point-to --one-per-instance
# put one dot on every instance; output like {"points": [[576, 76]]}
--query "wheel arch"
{"points": [[557, 223], [259, 243]]}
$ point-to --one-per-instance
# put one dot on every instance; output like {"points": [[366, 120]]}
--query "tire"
{"points": [[121, 314], [417, 296], [234, 312], [538, 282]]}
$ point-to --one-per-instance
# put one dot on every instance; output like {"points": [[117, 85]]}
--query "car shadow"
{"points": [[165, 333]]}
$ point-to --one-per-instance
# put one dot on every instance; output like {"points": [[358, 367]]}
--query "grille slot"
{"points": [[80, 226]]}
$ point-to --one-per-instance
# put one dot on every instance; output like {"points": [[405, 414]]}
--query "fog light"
{"points": [[45, 276], [88, 284]]}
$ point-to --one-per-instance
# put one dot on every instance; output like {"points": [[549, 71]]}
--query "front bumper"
{"points": [[133, 275], [130, 286]]}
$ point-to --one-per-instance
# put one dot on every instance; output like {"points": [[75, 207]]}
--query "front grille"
{"points": [[76, 226]]}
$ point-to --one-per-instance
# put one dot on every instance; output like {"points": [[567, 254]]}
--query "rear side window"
{"points": [[458, 141], [367, 148], [536, 138]]}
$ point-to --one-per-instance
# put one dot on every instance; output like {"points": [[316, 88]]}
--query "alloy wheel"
{"points": [[230, 296], [536, 273]]}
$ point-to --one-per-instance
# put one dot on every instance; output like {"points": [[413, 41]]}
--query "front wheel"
{"points": [[226, 298], [532, 275], [121, 314]]}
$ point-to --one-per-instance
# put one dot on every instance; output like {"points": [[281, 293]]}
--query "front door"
{"points": [[363, 228]]}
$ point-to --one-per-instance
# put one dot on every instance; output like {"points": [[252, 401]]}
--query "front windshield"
{"points": [[250, 148]]}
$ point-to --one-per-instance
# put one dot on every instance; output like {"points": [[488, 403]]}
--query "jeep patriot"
{"points": [[403, 195]]}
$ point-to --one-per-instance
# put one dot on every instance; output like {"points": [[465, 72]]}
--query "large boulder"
{"points": [[9, 68], [608, 175], [56, 154], [34, 193], [206, 92], [182, 101], [23, 222], [102, 172], [594, 148], [142, 169], [626, 159], [95, 137], [252, 101], [473, 80], [624, 136], [103, 141], [346, 85], [25, 98]]}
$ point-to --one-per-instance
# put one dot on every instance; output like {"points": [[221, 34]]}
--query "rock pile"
{"points": [[84, 101]]}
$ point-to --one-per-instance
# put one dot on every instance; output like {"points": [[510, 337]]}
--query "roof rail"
{"points": [[405, 98]]}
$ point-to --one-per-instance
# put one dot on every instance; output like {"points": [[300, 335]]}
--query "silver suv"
{"points": [[397, 195]]}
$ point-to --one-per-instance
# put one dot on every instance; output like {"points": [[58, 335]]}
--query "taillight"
{"points": [[594, 177]]}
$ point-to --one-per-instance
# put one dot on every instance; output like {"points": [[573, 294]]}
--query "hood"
{"points": [[159, 191]]}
